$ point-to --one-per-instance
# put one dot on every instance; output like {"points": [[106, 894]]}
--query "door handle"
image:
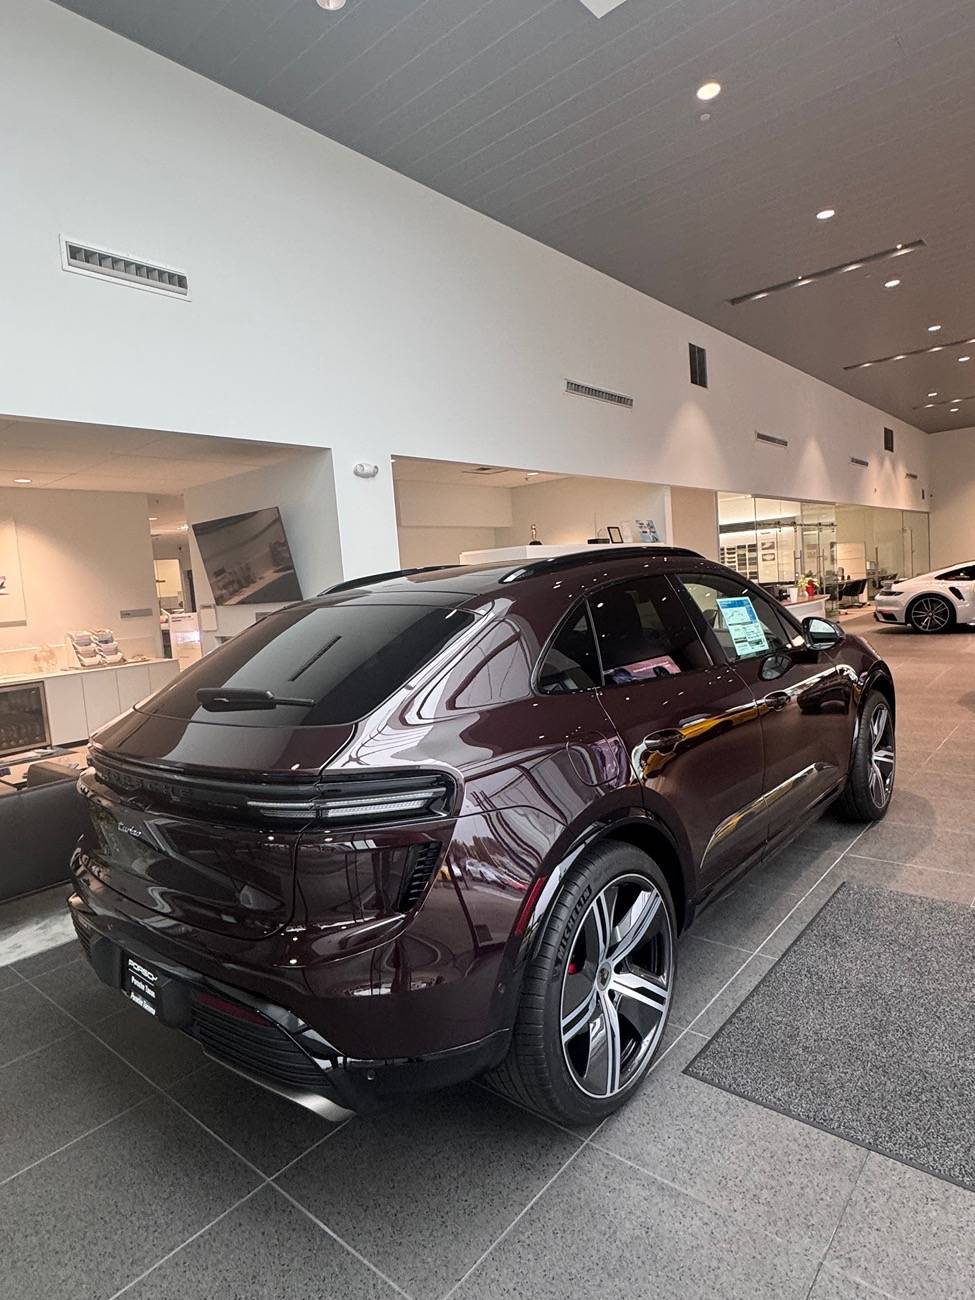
{"points": [[663, 742], [777, 700]]}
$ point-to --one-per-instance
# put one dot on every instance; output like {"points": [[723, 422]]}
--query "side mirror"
{"points": [[820, 634]]}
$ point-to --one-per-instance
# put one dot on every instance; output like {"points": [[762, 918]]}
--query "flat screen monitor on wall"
{"points": [[247, 559]]}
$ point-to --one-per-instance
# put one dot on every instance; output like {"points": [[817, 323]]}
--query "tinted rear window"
{"points": [[346, 658]]}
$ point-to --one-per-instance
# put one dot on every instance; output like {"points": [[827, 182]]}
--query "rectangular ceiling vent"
{"points": [[127, 270], [598, 394], [856, 460], [484, 471], [913, 476], [771, 439]]}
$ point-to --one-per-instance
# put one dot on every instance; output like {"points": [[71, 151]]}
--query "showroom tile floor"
{"points": [[130, 1166]]}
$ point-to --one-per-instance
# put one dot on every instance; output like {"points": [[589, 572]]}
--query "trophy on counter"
{"points": [[534, 541]]}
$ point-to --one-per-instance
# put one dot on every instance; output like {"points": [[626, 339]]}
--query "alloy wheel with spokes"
{"points": [[882, 757], [617, 985], [931, 614]]}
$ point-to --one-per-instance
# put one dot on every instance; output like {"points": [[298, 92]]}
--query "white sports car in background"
{"points": [[933, 602]]}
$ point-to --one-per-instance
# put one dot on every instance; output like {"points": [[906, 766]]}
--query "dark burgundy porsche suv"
{"points": [[445, 823]]}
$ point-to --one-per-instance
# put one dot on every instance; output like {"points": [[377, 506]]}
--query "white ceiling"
{"points": [[415, 470], [95, 457]]}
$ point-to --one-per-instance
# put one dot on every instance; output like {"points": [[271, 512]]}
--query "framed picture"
{"points": [[615, 534]]}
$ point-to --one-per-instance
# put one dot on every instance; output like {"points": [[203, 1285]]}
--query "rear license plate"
{"points": [[141, 985]]}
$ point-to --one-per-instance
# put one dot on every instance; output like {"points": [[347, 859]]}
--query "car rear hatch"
{"points": [[198, 798]]}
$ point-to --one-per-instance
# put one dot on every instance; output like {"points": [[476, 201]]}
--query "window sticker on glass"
{"points": [[746, 632]]}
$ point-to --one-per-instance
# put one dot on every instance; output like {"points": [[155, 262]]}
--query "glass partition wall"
{"points": [[845, 552]]}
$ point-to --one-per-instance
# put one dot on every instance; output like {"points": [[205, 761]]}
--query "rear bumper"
{"points": [[262, 1040]]}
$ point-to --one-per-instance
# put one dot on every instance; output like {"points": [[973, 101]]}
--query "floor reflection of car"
{"points": [[451, 822]]}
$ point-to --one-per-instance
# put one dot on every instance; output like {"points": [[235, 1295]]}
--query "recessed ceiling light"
{"points": [[865, 365], [23, 480], [933, 329], [900, 356], [934, 394], [531, 473], [756, 296], [153, 519], [710, 90], [939, 348], [331, 4], [891, 284], [954, 410], [802, 279], [928, 406], [964, 358], [853, 266], [826, 215]]}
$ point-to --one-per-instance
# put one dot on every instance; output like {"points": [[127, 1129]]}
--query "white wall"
{"points": [[572, 510], [694, 520], [303, 490], [953, 484], [336, 303], [84, 557]]}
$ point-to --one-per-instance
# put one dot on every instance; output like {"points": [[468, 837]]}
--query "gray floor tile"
{"points": [[78, 991], [94, 1216], [830, 1285], [59, 1093], [766, 1170], [264, 1128], [931, 799], [703, 969], [795, 923], [907, 1233], [8, 977], [33, 924], [926, 881], [745, 917], [28, 1021], [57, 955], [606, 1229], [921, 846], [264, 1248], [163, 1055], [732, 997], [949, 761], [424, 1190]]}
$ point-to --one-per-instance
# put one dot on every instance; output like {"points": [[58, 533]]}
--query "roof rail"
{"points": [[594, 555], [370, 578]]}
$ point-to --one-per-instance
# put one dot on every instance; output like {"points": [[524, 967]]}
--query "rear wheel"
{"points": [[598, 991], [871, 780], [931, 614]]}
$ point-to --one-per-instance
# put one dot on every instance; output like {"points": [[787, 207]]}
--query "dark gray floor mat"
{"points": [[866, 1028]]}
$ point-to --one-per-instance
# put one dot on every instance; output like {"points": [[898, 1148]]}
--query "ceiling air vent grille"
{"points": [[485, 471], [857, 460], [771, 439], [128, 270], [598, 394]]}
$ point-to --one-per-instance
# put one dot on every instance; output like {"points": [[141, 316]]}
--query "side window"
{"points": [[744, 623], [965, 574], [571, 663], [643, 632]]}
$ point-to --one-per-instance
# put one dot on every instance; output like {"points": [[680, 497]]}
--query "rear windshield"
{"points": [[347, 659]]}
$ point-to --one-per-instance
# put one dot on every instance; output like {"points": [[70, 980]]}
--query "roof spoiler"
{"points": [[351, 583]]}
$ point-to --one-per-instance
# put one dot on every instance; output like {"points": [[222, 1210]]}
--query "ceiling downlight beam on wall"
{"points": [[854, 264]]}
